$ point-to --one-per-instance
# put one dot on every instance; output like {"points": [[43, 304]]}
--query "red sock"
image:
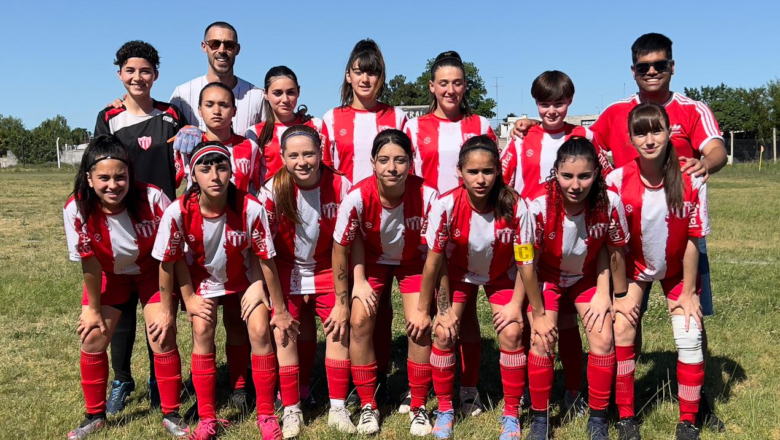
{"points": [[264, 376], [443, 375], [307, 352], [419, 382], [237, 358], [288, 385], [94, 379], [337, 372], [601, 370], [383, 338], [364, 377], [167, 371], [204, 377], [624, 382], [513, 371], [570, 352], [470, 359], [690, 378], [540, 379]]}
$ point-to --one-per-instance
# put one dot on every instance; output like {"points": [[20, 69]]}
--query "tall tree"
{"points": [[44, 139], [12, 135]]}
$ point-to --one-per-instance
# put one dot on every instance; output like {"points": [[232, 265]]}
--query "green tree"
{"points": [[80, 135], [400, 92], [44, 140], [12, 135]]}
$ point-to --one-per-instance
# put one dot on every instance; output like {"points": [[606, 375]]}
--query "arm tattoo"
{"points": [[162, 289], [443, 300], [342, 297], [342, 273]]}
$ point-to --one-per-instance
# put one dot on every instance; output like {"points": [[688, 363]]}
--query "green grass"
{"points": [[40, 396]]}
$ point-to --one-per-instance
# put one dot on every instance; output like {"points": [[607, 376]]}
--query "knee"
{"points": [[361, 327], [259, 332], [623, 326], [511, 337], [202, 331], [689, 343], [601, 343], [95, 342], [441, 339]]}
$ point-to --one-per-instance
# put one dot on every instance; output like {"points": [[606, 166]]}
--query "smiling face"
{"points": [[301, 157], [575, 177], [283, 97], [391, 166], [216, 108], [653, 82], [213, 178], [448, 88], [221, 59], [553, 113], [364, 84], [479, 174], [137, 75], [652, 145], [110, 180]]}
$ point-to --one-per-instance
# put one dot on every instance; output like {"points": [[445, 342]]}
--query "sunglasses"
{"points": [[659, 66], [215, 44]]}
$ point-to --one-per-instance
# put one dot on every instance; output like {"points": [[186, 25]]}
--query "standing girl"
{"points": [[110, 224], [225, 231]]}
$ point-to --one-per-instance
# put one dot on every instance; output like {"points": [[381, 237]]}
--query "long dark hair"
{"points": [[267, 133], [369, 59], [502, 197], [210, 159], [284, 187], [649, 117], [103, 147], [449, 59]]}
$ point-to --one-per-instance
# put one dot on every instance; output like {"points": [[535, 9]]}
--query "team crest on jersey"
{"points": [[597, 230], [343, 132], [145, 228], [145, 142], [414, 223], [236, 238], [629, 208], [505, 235], [381, 128], [552, 235], [427, 140], [243, 165], [529, 152], [329, 210], [683, 211]]}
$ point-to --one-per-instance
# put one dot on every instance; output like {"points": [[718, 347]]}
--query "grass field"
{"points": [[40, 396]]}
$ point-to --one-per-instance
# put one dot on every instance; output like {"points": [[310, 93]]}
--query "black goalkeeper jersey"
{"points": [[146, 140]]}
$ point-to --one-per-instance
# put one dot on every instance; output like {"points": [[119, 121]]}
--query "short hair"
{"points": [[137, 49], [220, 24], [552, 85], [649, 43]]}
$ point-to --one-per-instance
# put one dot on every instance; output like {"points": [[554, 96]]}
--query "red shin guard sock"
{"points": [[443, 375], [470, 359], [237, 358], [624, 380], [364, 378], [690, 378], [167, 371], [307, 352], [264, 376], [419, 382], [540, 378], [513, 371], [338, 378], [94, 379], [383, 338], [288, 385], [570, 352], [601, 370], [204, 377]]}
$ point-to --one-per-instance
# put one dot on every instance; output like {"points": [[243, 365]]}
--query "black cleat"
{"points": [[628, 429], [540, 428], [598, 428], [686, 431]]}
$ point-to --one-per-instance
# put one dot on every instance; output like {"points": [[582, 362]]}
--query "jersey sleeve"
{"points": [[704, 126], [509, 162], [322, 129], [600, 129], [266, 198], [158, 201], [437, 233], [101, 125], [329, 149], [618, 231], [259, 229], [348, 219], [169, 242], [79, 246], [524, 234], [401, 119], [491, 134], [601, 153], [699, 225]]}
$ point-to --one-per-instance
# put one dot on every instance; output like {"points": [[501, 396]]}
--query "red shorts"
{"points": [[562, 299], [673, 286], [497, 294], [323, 304], [229, 301], [409, 276], [116, 289]]}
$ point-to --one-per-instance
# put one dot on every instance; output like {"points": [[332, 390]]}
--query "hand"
{"points": [[626, 307], [118, 103], [450, 323], [418, 325], [253, 297], [201, 307], [186, 139], [695, 167], [158, 329], [89, 320], [337, 323], [600, 307], [522, 126], [365, 293], [284, 321], [508, 314], [691, 307], [544, 328]]}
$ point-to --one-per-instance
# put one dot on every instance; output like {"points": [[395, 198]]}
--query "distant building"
{"points": [[413, 111]]}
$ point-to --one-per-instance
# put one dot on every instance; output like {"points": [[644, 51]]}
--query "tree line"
{"points": [[38, 145]]}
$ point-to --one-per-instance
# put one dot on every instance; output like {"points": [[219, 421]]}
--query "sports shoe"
{"points": [[510, 428], [382, 395], [240, 399], [470, 405], [444, 422], [628, 429], [686, 431], [406, 403], [339, 418], [706, 417], [269, 427], [120, 391], [91, 424], [175, 425], [292, 421], [421, 422], [525, 399], [152, 393], [207, 429], [574, 405], [540, 428], [369, 420], [598, 428]]}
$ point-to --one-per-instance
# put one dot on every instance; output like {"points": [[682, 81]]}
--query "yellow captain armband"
{"points": [[524, 253]]}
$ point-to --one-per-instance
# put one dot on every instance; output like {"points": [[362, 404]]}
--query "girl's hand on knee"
{"points": [[628, 308], [691, 308], [600, 308], [508, 314], [288, 326], [253, 297], [90, 319], [158, 329], [200, 307], [367, 296], [545, 329], [418, 325]]}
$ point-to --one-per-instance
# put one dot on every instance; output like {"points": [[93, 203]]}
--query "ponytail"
{"points": [[501, 197]]}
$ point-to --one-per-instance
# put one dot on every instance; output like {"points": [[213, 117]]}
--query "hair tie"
{"points": [[316, 139]]}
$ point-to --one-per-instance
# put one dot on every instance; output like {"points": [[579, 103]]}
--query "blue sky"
{"points": [[59, 54]]}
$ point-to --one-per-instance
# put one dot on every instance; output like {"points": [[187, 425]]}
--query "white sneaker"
{"points": [[292, 420], [406, 403], [369, 420], [470, 405], [339, 418], [421, 422]]}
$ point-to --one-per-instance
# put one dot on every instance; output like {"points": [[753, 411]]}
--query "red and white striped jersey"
{"points": [[568, 246], [436, 142], [272, 150], [352, 134], [692, 124], [478, 246], [659, 235], [122, 245], [391, 235], [527, 163], [218, 248], [304, 250], [246, 161]]}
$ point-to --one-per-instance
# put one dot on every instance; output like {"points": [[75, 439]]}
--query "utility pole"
{"points": [[497, 86]]}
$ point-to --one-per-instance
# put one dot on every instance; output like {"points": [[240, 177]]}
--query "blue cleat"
{"points": [[510, 428], [120, 391], [444, 422]]}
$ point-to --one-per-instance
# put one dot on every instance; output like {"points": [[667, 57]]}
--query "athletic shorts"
{"points": [[409, 276], [672, 287], [323, 304], [116, 289], [499, 294], [231, 300], [562, 299], [705, 296]]}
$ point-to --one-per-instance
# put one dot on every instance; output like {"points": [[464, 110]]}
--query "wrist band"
{"points": [[621, 295]]}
